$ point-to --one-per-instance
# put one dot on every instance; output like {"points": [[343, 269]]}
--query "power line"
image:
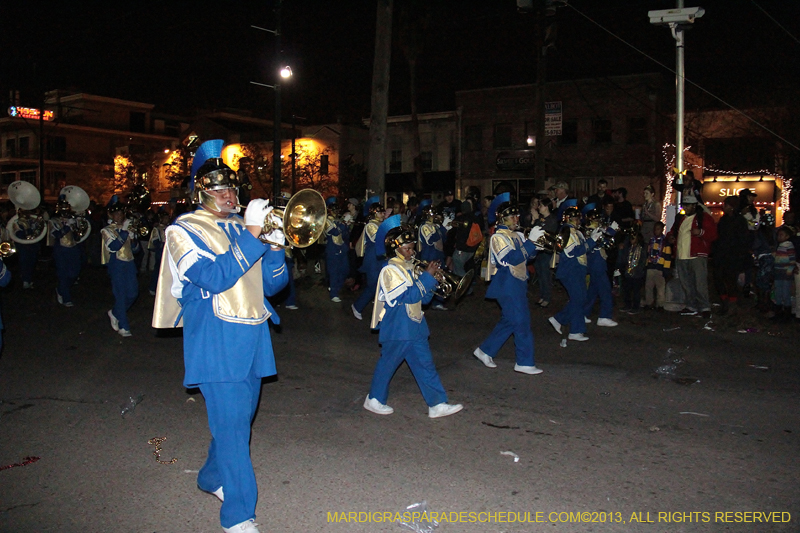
{"points": [[712, 95], [770, 17]]}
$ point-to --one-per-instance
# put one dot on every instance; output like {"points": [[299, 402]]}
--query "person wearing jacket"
{"points": [[632, 263], [693, 233], [730, 252]]}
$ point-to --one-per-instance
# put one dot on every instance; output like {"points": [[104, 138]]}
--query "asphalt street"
{"points": [[598, 443]]}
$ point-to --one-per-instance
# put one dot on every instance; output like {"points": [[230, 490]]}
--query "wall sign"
{"points": [[515, 160], [29, 112]]}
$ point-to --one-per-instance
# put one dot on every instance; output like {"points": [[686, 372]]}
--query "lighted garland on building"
{"points": [[669, 160]]}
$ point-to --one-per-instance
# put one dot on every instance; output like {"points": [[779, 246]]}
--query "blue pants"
{"points": [[231, 408], [599, 287], [68, 268], [572, 313], [125, 287], [338, 267], [157, 254], [368, 293], [418, 355], [515, 319], [28, 255], [291, 299]]}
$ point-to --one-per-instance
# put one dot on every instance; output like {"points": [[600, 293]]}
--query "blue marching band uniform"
{"points": [[365, 247], [215, 278], [404, 332], [509, 253], [67, 255], [337, 248], [597, 267], [5, 279], [430, 244], [118, 248]]}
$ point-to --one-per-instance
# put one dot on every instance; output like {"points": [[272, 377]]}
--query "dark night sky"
{"points": [[182, 56]]}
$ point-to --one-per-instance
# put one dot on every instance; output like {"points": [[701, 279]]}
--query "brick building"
{"points": [[612, 128]]}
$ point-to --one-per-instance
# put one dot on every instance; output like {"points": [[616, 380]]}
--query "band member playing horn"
{"points": [[365, 247], [27, 228], [67, 254], [119, 247], [431, 241], [597, 267], [337, 246], [215, 277], [397, 311], [509, 286], [5, 279], [156, 246]]}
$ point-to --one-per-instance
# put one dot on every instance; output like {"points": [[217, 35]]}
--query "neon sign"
{"points": [[29, 112]]}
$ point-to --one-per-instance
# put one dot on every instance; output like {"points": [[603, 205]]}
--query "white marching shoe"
{"points": [[248, 526], [371, 404], [114, 321], [444, 409], [555, 323], [578, 337], [532, 370], [587, 320], [606, 322], [484, 358], [355, 312]]}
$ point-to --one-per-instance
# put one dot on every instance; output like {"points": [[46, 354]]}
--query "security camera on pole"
{"points": [[677, 20]]}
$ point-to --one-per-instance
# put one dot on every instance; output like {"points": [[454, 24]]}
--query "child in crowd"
{"points": [[659, 262], [631, 264], [784, 270]]}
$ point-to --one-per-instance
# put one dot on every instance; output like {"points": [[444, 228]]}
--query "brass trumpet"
{"points": [[304, 219], [7, 249], [449, 283]]}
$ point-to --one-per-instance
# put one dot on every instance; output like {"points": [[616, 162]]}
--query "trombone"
{"points": [[304, 219], [449, 283]]}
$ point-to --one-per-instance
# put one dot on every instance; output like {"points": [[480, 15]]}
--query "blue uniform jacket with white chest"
{"points": [[507, 263], [399, 299], [221, 276]]}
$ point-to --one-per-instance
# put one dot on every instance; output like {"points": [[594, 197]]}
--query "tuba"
{"points": [[449, 283], [138, 203], [25, 197], [304, 219], [78, 202]]}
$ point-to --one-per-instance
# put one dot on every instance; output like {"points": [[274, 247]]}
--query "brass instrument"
{"points": [[79, 202], [304, 219], [138, 203], [25, 197], [449, 283], [7, 249]]}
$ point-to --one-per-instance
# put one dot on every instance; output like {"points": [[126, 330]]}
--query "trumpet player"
{"points": [[509, 286], [337, 246], [119, 246], [215, 276], [397, 311], [67, 255], [431, 241], [597, 266]]}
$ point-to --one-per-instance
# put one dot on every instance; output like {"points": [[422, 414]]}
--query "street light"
{"points": [[677, 20]]}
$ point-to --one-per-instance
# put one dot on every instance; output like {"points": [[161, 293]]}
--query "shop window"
{"points": [[569, 133], [601, 129], [24, 146], [29, 176], [11, 148], [502, 136], [323, 164], [473, 135], [637, 130]]}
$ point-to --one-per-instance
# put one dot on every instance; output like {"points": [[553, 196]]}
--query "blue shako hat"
{"points": [[371, 200], [424, 204], [331, 200], [500, 199], [114, 204], [588, 207], [210, 173], [394, 221]]}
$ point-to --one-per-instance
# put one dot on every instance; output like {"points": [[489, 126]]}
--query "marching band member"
{"points": [[67, 255], [365, 247], [337, 246], [597, 266], [509, 286], [571, 271], [221, 273], [28, 228], [118, 248], [431, 241], [403, 329], [156, 246]]}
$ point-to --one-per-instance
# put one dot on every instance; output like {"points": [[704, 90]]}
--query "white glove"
{"points": [[274, 237], [256, 212], [126, 224], [536, 233], [614, 226], [71, 222], [448, 221], [596, 234]]}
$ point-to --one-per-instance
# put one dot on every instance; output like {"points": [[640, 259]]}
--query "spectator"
{"points": [[659, 263], [763, 247], [730, 252], [548, 222], [693, 233], [623, 210], [631, 264], [785, 269], [450, 205], [602, 191], [651, 212]]}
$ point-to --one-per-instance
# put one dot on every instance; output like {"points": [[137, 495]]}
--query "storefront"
{"points": [[768, 190]]}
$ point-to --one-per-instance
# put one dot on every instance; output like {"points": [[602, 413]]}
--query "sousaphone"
{"points": [[25, 197], [79, 203]]}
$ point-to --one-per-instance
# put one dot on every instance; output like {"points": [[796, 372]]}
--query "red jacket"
{"points": [[701, 244]]}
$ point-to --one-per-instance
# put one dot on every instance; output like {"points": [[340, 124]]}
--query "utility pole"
{"points": [[541, 74], [276, 132]]}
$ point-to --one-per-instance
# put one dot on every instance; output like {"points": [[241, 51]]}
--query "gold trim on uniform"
{"points": [[110, 234], [395, 279], [369, 230], [502, 242]]}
